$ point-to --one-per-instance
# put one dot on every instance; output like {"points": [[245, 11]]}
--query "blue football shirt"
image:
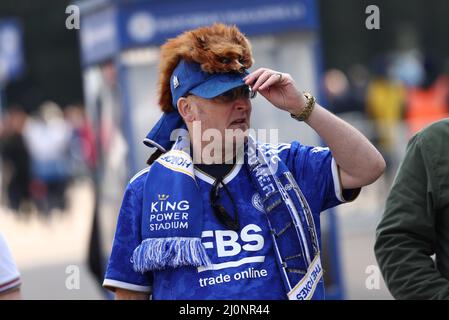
{"points": [[244, 265]]}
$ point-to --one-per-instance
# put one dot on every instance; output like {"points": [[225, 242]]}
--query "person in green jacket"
{"points": [[412, 243]]}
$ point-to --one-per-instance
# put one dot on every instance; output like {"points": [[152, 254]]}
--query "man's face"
{"points": [[228, 114], [232, 110]]}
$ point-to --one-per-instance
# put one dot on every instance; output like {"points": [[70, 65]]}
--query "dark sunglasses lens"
{"points": [[220, 212], [244, 92], [247, 93]]}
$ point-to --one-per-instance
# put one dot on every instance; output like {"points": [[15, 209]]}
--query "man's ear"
{"points": [[185, 109]]}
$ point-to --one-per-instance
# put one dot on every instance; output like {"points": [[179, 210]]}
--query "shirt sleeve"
{"points": [[120, 272], [406, 235], [318, 176], [9, 274]]}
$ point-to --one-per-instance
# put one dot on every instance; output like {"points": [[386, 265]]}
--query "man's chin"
{"points": [[237, 139], [237, 130], [235, 135], [239, 126]]}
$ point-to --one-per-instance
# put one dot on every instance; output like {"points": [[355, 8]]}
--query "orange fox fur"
{"points": [[218, 48]]}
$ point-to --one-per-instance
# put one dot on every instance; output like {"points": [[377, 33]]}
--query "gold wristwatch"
{"points": [[307, 110]]}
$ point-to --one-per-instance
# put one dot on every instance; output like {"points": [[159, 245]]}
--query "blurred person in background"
{"points": [[48, 137], [9, 275], [336, 86], [428, 100], [346, 95], [16, 159], [385, 101], [81, 146], [359, 77], [415, 223]]}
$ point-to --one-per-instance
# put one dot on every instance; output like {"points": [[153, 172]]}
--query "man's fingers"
{"points": [[253, 76], [261, 80], [273, 79]]}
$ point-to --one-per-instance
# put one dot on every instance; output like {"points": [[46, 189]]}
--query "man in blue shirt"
{"points": [[245, 256]]}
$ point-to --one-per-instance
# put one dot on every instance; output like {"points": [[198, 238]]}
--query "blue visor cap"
{"points": [[189, 78], [160, 135]]}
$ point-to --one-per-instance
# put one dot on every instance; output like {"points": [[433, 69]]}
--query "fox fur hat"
{"points": [[218, 48]]}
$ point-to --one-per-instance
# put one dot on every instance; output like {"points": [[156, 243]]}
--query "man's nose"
{"points": [[242, 104]]}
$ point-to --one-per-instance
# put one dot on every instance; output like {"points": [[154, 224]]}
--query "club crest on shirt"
{"points": [[257, 202]]}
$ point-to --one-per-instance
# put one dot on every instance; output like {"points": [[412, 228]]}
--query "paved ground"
{"points": [[50, 252], [357, 224]]}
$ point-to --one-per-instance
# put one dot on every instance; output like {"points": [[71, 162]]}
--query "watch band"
{"points": [[308, 108]]}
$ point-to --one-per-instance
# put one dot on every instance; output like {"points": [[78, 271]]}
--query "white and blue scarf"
{"points": [[171, 184]]}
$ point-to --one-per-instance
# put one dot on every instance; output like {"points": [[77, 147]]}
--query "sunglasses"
{"points": [[220, 212], [243, 92]]}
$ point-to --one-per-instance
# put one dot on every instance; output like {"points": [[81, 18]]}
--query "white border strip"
{"points": [[228, 178], [112, 284], [337, 185], [14, 283], [204, 177], [138, 174], [232, 264], [232, 174]]}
